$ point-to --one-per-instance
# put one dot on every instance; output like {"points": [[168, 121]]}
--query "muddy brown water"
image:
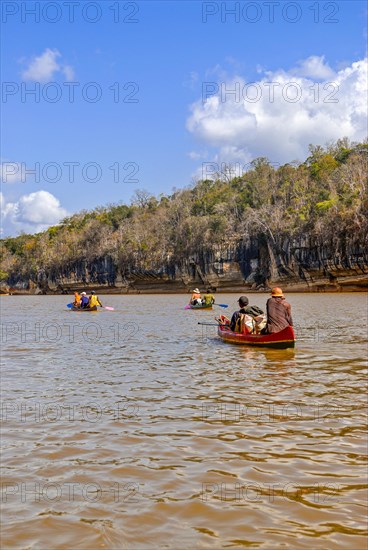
{"points": [[139, 428]]}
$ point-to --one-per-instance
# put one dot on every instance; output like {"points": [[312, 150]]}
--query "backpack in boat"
{"points": [[254, 311], [244, 323]]}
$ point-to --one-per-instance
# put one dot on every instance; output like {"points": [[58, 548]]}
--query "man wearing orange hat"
{"points": [[278, 312]]}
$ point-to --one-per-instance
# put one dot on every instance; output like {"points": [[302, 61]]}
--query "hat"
{"points": [[277, 292], [83, 293], [196, 290], [243, 301], [93, 292]]}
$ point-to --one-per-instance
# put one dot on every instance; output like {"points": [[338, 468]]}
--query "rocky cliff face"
{"points": [[248, 265]]}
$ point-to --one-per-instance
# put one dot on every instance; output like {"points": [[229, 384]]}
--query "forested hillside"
{"points": [[298, 223]]}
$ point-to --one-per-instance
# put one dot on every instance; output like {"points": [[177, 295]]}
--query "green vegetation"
{"points": [[324, 199]]}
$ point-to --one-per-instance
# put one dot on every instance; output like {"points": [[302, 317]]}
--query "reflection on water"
{"points": [[139, 428]]}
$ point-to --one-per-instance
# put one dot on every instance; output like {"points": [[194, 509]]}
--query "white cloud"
{"points": [[31, 213], [315, 67], [6, 208], [68, 72], [194, 155], [280, 114], [42, 68]]}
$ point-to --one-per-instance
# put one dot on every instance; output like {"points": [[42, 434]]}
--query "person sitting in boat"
{"points": [[208, 298], [196, 297], [278, 312], [248, 318], [84, 300], [77, 299], [94, 300]]}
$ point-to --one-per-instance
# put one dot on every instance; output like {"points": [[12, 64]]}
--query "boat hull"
{"points": [[84, 309], [200, 307], [283, 339]]}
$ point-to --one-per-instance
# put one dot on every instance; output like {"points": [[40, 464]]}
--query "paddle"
{"points": [[69, 306], [210, 324], [187, 307]]}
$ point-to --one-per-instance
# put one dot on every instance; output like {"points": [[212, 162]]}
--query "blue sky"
{"points": [[169, 55]]}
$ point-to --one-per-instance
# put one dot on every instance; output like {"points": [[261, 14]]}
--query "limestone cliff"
{"points": [[254, 264]]}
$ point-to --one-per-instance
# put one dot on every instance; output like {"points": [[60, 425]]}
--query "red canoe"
{"points": [[283, 339]]}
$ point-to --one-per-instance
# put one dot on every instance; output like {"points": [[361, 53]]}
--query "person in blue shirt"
{"points": [[84, 300]]}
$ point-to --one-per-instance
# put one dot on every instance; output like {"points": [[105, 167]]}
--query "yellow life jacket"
{"points": [[209, 299], [93, 301]]}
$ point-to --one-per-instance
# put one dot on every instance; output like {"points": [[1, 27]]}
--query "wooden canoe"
{"points": [[203, 306], [84, 309], [283, 339]]}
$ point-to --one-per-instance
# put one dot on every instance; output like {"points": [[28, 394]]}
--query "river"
{"points": [[138, 428]]}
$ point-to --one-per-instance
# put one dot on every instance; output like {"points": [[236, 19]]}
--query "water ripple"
{"points": [[139, 429]]}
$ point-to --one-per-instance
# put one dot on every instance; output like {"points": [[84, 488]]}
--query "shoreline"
{"points": [[186, 293]]}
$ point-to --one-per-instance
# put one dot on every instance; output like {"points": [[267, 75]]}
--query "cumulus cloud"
{"points": [[31, 213], [314, 67], [281, 113], [68, 72], [42, 68]]}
